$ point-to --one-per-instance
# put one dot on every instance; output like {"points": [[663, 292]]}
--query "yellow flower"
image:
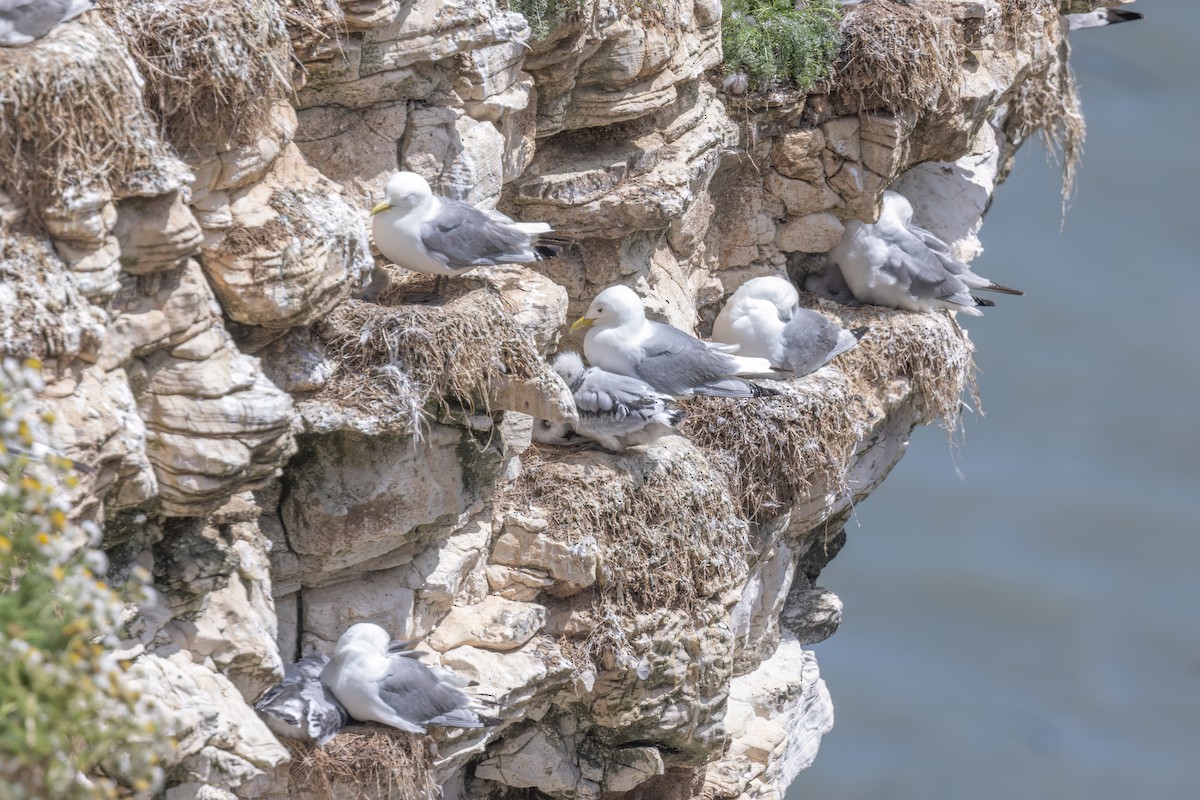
{"points": [[5, 545], [58, 520], [43, 539], [57, 573]]}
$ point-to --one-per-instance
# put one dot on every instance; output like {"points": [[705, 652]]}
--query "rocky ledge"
{"points": [[290, 458]]}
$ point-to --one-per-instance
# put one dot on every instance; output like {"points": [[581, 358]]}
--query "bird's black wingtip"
{"points": [[758, 390], [982, 302], [859, 332], [1116, 15]]}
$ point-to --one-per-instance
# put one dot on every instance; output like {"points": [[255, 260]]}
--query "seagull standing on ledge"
{"points": [[379, 681], [424, 232], [22, 21], [897, 264], [763, 318], [620, 339]]}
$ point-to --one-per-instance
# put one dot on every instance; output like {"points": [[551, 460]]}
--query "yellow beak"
{"points": [[384, 206], [581, 323]]}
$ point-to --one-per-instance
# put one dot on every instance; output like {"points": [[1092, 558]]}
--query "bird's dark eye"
{"points": [[599, 310]]}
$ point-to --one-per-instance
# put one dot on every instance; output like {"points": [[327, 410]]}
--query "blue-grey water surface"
{"points": [[1033, 631]]}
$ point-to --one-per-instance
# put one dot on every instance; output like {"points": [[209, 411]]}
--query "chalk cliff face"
{"points": [[290, 458]]}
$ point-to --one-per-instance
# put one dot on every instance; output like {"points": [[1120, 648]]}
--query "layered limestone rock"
{"points": [[290, 452]]}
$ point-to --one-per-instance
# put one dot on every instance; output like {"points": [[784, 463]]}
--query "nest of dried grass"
{"points": [[669, 534], [213, 68], [368, 762], [395, 358], [1015, 15], [1049, 104], [929, 351], [774, 450], [898, 56], [72, 121]]}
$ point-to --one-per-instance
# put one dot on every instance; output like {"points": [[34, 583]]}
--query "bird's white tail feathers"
{"points": [[533, 228], [754, 367]]}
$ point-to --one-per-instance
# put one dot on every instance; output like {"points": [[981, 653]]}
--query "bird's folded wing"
{"points": [[462, 236], [607, 393], [676, 363], [916, 267]]}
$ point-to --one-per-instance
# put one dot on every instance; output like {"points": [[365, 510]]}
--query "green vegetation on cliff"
{"points": [[71, 726], [774, 41]]}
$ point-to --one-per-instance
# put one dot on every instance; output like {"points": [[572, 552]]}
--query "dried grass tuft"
{"points": [[898, 56], [929, 351], [1048, 104], [775, 450], [668, 532], [213, 70], [369, 762], [72, 122], [394, 358], [1016, 15]]}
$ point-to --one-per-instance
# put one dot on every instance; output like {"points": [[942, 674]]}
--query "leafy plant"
{"points": [[544, 15], [70, 724], [774, 42]]}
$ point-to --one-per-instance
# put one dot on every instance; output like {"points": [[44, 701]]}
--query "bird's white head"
{"points": [[404, 191], [569, 366], [363, 635], [615, 306], [897, 204], [778, 291]]}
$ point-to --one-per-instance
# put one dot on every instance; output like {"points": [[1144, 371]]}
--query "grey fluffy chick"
{"points": [[615, 411], [300, 706]]}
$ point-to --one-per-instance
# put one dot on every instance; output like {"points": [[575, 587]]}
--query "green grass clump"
{"points": [[544, 15], [774, 42], [71, 726]]}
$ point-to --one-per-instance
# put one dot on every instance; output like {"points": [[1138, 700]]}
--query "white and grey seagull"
{"points": [[300, 706], [763, 318], [377, 680], [23, 21], [895, 263], [615, 411], [424, 232], [620, 339]]}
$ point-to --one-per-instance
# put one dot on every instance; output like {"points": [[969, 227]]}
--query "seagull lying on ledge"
{"points": [[763, 318], [424, 232], [897, 264], [381, 681], [22, 21], [615, 411], [301, 707], [620, 339]]}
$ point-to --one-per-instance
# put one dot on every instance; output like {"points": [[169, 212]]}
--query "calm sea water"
{"points": [[1033, 631]]}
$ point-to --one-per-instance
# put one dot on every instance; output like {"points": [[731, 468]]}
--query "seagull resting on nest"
{"points": [[895, 263], [22, 21], [615, 411], [424, 232], [380, 681], [620, 339], [763, 318], [301, 707]]}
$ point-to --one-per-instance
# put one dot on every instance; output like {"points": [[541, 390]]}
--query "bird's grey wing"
{"points": [[809, 339], [676, 363], [416, 695], [603, 392], [326, 716], [939, 249], [462, 236], [307, 668], [33, 18], [916, 267]]}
